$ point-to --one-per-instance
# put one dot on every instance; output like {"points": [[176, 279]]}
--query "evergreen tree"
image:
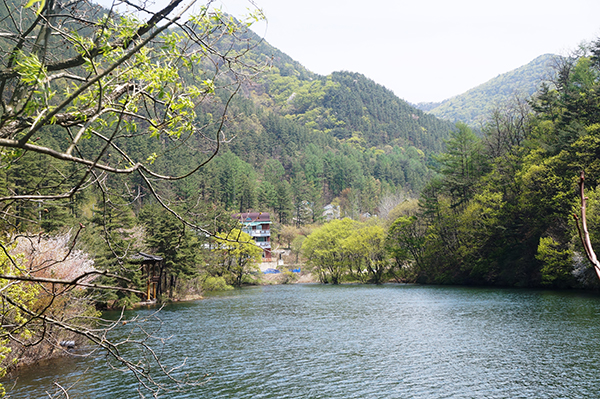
{"points": [[462, 164], [284, 205]]}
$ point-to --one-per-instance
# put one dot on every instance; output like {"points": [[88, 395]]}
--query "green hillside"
{"points": [[475, 105], [318, 138], [346, 105], [353, 108]]}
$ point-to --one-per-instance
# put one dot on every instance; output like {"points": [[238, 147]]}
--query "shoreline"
{"points": [[264, 279], [286, 278]]}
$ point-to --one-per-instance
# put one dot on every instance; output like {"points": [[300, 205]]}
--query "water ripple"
{"points": [[312, 341]]}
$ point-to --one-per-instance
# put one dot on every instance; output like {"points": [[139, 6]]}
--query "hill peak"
{"points": [[476, 104]]}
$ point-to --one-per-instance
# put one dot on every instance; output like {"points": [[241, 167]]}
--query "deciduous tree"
{"points": [[239, 255]]}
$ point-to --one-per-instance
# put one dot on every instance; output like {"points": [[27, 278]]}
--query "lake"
{"points": [[360, 341]]}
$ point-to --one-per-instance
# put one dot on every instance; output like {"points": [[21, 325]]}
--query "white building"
{"points": [[258, 226]]}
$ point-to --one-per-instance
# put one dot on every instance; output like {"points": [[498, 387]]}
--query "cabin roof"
{"points": [[144, 257]]}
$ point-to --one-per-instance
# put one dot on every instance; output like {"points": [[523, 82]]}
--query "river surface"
{"points": [[357, 341]]}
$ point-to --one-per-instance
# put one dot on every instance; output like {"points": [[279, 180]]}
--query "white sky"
{"points": [[423, 50]]}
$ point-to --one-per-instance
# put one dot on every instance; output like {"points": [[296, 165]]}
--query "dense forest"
{"points": [[504, 208]]}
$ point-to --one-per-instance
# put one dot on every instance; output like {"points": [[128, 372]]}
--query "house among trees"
{"points": [[331, 212], [258, 226]]}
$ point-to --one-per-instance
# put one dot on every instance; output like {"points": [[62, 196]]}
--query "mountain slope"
{"points": [[353, 108], [346, 105], [473, 106]]}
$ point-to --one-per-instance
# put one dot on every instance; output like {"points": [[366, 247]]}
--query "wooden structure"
{"points": [[152, 266]]}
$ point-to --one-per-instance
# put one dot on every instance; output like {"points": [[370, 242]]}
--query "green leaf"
{"points": [[32, 2]]}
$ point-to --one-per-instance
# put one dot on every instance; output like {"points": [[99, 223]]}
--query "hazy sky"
{"points": [[423, 50]]}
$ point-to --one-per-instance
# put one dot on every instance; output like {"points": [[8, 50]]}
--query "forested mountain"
{"points": [[205, 120], [290, 142], [293, 142], [347, 105], [355, 109], [301, 140], [477, 104]]}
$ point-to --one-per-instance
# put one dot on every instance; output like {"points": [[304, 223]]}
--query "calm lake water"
{"points": [[355, 341]]}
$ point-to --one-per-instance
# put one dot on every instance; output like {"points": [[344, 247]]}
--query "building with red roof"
{"points": [[258, 226]]}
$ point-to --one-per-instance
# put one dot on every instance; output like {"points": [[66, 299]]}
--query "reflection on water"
{"points": [[392, 341]]}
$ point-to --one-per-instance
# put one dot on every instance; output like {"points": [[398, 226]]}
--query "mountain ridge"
{"points": [[475, 105]]}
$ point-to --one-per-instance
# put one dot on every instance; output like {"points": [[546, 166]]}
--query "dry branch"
{"points": [[584, 235]]}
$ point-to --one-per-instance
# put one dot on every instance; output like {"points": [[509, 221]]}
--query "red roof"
{"points": [[252, 217]]}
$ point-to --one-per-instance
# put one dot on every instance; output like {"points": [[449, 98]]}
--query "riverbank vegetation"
{"points": [[501, 209]]}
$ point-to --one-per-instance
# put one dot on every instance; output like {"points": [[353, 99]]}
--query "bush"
{"points": [[211, 283]]}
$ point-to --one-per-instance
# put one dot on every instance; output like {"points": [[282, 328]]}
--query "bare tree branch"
{"points": [[584, 235], [74, 282]]}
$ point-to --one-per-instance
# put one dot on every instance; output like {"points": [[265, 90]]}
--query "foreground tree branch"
{"points": [[584, 235], [75, 282]]}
